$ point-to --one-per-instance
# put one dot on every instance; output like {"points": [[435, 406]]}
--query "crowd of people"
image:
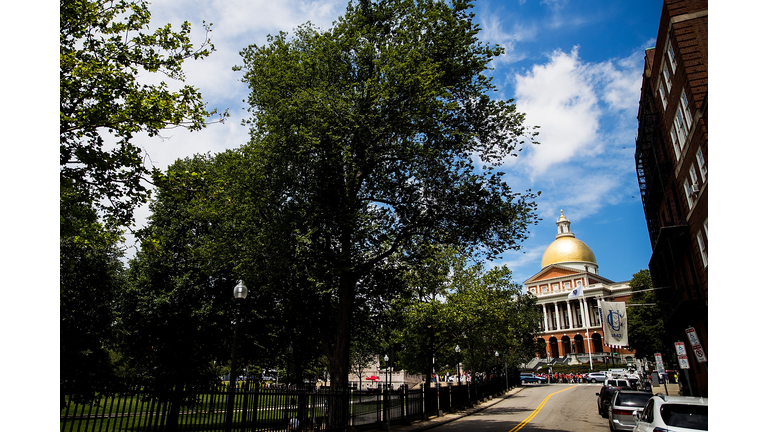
{"points": [[566, 378], [464, 377]]}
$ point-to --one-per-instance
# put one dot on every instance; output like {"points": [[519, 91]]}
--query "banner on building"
{"points": [[615, 324]]}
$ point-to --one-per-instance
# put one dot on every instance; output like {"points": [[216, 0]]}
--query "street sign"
{"points": [[698, 350], [659, 363], [680, 348], [683, 360]]}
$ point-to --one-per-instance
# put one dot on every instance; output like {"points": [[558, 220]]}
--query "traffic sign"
{"points": [[659, 363], [680, 348], [698, 350], [683, 360]]}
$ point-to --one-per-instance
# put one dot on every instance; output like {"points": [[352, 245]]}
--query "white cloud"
{"points": [[582, 108], [559, 97], [494, 33]]}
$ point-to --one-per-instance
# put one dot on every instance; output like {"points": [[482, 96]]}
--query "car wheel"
{"points": [[541, 382], [594, 380]]}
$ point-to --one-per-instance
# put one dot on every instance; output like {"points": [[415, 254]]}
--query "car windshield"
{"points": [[632, 399], [686, 416]]}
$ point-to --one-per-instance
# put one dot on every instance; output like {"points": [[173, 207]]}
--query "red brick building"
{"points": [[671, 160]]}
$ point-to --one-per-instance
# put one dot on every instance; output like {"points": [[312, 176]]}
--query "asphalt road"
{"points": [[545, 408]]}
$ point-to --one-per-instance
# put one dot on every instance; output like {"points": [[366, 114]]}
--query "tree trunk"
{"points": [[339, 364]]}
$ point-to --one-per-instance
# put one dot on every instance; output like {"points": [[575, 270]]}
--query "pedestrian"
{"points": [[293, 424]]}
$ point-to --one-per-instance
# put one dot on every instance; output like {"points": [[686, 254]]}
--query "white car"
{"points": [[595, 377], [673, 414]]}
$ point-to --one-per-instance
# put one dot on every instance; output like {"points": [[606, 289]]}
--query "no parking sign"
{"points": [[693, 338]]}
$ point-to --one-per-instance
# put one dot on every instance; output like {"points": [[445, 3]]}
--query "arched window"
{"points": [[597, 343], [553, 351]]}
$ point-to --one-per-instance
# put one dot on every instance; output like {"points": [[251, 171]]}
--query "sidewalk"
{"points": [[449, 417], [674, 389]]}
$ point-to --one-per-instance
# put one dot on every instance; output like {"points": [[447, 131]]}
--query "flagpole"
{"points": [[586, 323]]}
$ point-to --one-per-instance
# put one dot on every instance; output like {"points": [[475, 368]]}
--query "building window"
{"points": [[671, 55], [686, 108], [675, 141], [682, 125], [662, 94], [566, 286], [702, 247], [543, 288], [555, 287], [667, 77], [694, 181], [702, 166], [688, 194]]}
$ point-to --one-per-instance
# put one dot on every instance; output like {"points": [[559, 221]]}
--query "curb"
{"points": [[447, 418]]}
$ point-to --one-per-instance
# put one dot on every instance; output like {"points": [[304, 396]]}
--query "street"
{"points": [[553, 407]]}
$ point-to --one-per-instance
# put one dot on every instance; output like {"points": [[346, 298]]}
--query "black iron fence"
{"points": [[155, 406]]}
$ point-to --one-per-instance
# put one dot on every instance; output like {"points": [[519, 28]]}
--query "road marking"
{"points": [[536, 411]]}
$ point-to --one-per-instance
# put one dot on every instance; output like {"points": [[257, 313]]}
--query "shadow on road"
{"points": [[495, 411]]}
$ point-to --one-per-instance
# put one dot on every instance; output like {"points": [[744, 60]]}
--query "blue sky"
{"points": [[574, 68]]}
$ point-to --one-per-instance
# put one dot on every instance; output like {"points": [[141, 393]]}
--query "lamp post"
{"points": [[289, 350], [496, 354], [240, 292], [458, 372], [385, 394]]}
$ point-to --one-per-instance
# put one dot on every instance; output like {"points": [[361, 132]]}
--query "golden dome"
{"points": [[567, 249]]}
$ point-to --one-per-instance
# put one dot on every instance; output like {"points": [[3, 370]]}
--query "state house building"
{"points": [[571, 328]]}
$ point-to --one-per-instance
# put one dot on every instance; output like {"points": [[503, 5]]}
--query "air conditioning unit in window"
{"points": [[695, 188]]}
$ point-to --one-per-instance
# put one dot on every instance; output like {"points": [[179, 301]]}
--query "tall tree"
{"points": [[379, 133], [482, 311], [90, 278], [104, 50], [646, 332]]}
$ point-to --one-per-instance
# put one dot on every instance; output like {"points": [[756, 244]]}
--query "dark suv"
{"points": [[606, 394]]}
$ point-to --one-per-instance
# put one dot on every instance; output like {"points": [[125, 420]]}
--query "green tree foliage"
{"points": [[646, 333], [178, 310], [104, 50], [374, 135], [483, 312], [90, 276]]}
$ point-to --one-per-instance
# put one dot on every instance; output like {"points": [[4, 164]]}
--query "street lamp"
{"points": [[385, 393], [288, 370], [386, 360], [458, 372], [240, 292]]}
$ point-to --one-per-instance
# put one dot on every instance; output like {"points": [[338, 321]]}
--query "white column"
{"points": [[546, 324], [570, 314], [557, 318]]}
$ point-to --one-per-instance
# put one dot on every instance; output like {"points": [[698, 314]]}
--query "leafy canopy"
{"points": [[377, 134], [104, 50]]}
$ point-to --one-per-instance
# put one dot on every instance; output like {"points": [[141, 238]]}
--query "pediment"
{"points": [[552, 272]]}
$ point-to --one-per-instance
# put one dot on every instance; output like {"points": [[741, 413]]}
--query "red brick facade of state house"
{"points": [[671, 158]]}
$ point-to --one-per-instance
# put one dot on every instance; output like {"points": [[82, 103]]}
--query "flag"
{"points": [[578, 292], [615, 324]]}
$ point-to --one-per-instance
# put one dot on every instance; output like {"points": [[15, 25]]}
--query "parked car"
{"points": [[678, 413], [531, 378], [624, 404], [594, 377], [606, 393], [634, 380]]}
